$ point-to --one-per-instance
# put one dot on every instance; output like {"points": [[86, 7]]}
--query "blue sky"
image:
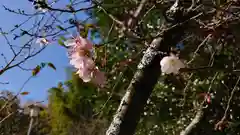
{"points": [[54, 53]]}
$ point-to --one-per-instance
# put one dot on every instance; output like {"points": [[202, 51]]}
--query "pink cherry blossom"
{"points": [[85, 74], [82, 62], [81, 58], [79, 43], [87, 70]]}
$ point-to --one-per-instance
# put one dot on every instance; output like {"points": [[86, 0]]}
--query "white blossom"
{"points": [[42, 41], [42, 9], [171, 64]]}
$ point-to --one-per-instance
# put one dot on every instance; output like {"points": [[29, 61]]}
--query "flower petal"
{"points": [[164, 60], [85, 75], [82, 62], [70, 42], [83, 43]]}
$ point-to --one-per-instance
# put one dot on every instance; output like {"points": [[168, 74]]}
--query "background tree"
{"points": [[15, 117], [73, 107]]}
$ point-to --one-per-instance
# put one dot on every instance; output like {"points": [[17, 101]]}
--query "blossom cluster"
{"points": [[80, 54]]}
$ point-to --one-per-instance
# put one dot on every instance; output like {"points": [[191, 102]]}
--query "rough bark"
{"points": [[144, 80]]}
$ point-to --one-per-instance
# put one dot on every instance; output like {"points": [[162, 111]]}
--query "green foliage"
{"points": [[60, 27], [51, 65], [14, 120], [38, 68], [60, 42], [71, 104]]}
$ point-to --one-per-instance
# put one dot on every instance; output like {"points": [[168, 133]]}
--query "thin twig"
{"points": [[10, 114], [193, 123], [198, 48], [228, 105], [4, 83], [231, 96], [8, 42], [112, 17], [19, 91], [70, 11], [113, 90], [186, 88], [200, 112], [142, 19], [136, 14]]}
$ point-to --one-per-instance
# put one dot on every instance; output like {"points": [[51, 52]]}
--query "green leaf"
{"points": [[60, 27], [60, 42], [94, 34], [24, 93], [90, 26], [43, 65], [36, 70], [84, 33], [51, 66], [62, 38]]}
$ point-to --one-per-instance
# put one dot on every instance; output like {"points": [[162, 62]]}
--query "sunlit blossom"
{"points": [[171, 64], [85, 74], [80, 57], [42, 9], [79, 43], [84, 66], [42, 41], [82, 62]]}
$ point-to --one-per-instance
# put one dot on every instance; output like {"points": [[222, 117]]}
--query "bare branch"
{"points": [[8, 42], [5, 118], [193, 123], [200, 112], [199, 46], [3, 83], [222, 121], [136, 14], [70, 11], [19, 91]]}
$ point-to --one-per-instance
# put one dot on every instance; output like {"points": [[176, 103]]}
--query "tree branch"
{"points": [[136, 14], [221, 122], [10, 114], [200, 113], [70, 11], [193, 123]]}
